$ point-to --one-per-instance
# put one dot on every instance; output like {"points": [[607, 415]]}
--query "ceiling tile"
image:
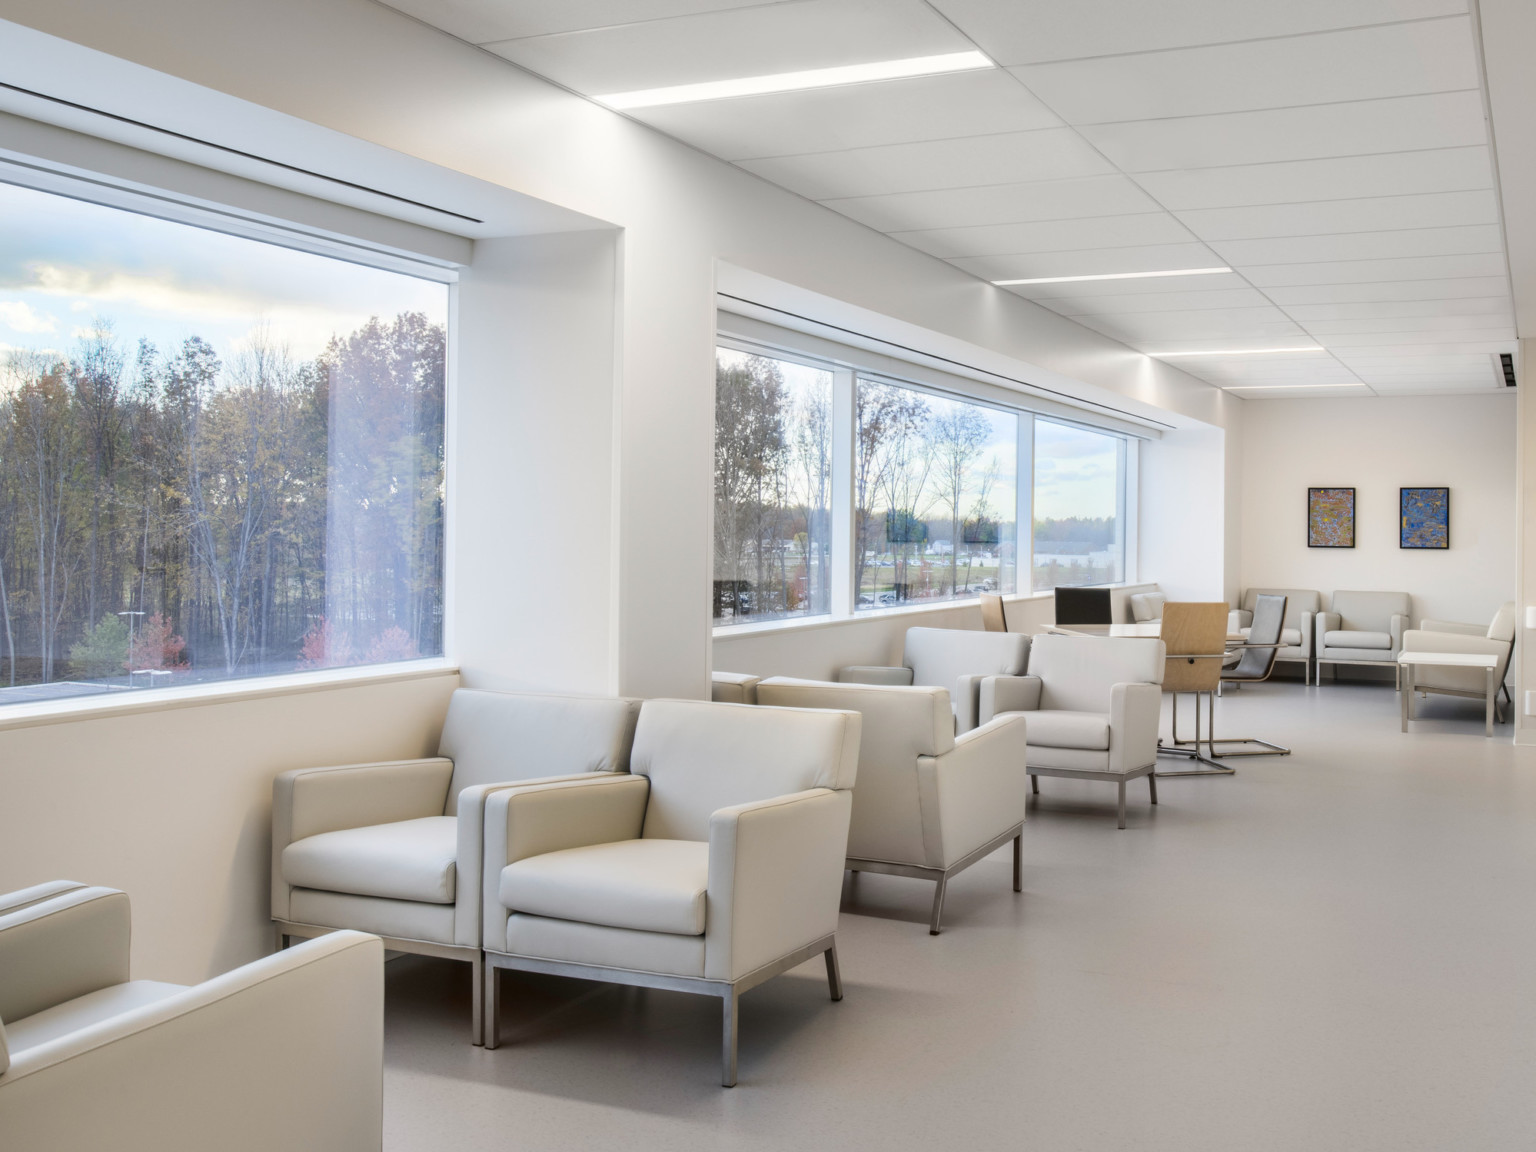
{"points": [[1387, 174], [1372, 310], [998, 204], [1425, 290], [1325, 68], [1473, 238], [1089, 262], [1051, 153], [1264, 326], [1050, 236], [1024, 31], [1365, 214], [1373, 271], [1381, 355], [1090, 304], [854, 116], [1469, 339], [1502, 318], [479, 21], [1445, 120], [736, 42]]}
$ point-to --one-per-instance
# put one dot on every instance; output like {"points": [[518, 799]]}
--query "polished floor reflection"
{"points": [[1329, 950]]}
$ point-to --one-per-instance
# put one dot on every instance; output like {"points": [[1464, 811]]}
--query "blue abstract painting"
{"points": [[1426, 518]]}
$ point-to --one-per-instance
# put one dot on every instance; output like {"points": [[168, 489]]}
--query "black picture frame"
{"points": [[1319, 533], [1427, 535]]}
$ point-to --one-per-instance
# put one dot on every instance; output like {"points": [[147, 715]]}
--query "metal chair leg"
{"points": [[491, 1004], [1152, 785], [938, 905], [476, 998], [834, 977], [1034, 784], [1122, 803], [728, 1040], [1018, 862]]}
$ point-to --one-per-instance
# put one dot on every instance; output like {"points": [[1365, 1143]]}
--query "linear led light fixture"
{"points": [[1239, 351], [1114, 276], [797, 81]]}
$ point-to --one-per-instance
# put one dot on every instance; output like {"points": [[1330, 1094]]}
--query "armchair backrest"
{"points": [[1503, 626], [1077, 672], [496, 736], [1369, 611], [900, 724], [1147, 606], [1297, 601], [938, 657], [59, 948], [702, 756]]}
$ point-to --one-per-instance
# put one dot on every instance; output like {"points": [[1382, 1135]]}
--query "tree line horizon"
{"points": [[172, 510]]}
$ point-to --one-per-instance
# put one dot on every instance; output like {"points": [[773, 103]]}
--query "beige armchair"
{"points": [[1497, 639], [1093, 707], [1296, 632], [1362, 628], [717, 865], [954, 659], [286, 1052], [395, 849], [929, 804]]}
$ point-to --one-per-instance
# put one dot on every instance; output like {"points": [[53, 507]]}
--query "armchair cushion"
{"points": [[649, 885], [1291, 637], [1344, 638], [1054, 728], [1147, 606], [405, 860], [873, 674]]}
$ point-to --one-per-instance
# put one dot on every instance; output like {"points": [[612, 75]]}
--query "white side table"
{"points": [[1408, 661]]}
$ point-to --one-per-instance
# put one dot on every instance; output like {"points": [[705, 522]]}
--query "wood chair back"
{"points": [[1193, 630], [994, 616]]}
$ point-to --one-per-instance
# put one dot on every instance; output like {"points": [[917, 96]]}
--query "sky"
{"points": [[66, 263], [1076, 472]]}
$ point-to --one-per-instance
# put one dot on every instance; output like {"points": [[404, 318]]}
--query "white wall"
{"points": [[1377, 446]]}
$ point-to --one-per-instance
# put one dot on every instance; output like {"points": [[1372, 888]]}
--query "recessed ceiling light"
{"points": [[796, 81], [1239, 351], [1114, 276]]}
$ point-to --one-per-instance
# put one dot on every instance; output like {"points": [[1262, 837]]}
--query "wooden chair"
{"points": [[994, 614], [1195, 637]]}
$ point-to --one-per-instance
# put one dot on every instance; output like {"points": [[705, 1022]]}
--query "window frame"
{"points": [[229, 220], [849, 365]]}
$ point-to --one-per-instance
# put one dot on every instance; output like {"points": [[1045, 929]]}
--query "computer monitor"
{"points": [[1083, 606]]}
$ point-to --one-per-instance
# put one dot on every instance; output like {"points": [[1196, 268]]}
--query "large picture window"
{"points": [[773, 478], [934, 496], [219, 457], [1079, 489]]}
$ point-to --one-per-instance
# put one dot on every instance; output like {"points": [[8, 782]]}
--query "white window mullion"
{"points": [[843, 434], [1024, 578]]}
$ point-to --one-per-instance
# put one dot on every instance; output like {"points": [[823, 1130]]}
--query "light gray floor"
{"points": [[1330, 950]]}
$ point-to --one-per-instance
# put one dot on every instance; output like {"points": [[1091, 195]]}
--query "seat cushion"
{"points": [[406, 860], [1291, 637], [650, 885], [1348, 639], [83, 1011], [1052, 728]]}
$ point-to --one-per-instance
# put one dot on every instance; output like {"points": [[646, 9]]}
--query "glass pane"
{"points": [[1079, 478], [218, 457], [773, 489], [935, 483]]}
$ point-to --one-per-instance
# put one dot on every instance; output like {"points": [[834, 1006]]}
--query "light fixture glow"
{"points": [[1238, 351], [797, 81], [1114, 276]]}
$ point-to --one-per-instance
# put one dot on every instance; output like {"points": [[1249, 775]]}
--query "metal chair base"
{"points": [[942, 876], [727, 990], [1190, 749]]}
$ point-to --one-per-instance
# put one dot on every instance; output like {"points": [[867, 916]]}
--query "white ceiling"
{"points": [[1334, 153]]}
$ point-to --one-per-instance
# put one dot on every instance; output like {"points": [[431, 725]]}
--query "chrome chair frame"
{"points": [[942, 876]]}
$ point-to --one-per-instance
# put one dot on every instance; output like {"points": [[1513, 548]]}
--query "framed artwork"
{"points": [[1424, 518], [1330, 517]]}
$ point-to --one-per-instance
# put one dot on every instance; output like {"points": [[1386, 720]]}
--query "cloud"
{"points": [[19, 316]]}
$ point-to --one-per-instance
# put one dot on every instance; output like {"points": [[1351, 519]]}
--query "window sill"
{"points": [[228, 691]]}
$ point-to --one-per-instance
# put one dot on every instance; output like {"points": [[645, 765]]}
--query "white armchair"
{"points": [[717, 865], [1362, 628], [286, 1052], [395, 848], [1296, 632], [929, 804], [954, 659], [1498, 639], [1146, 607], [1093, 707]]}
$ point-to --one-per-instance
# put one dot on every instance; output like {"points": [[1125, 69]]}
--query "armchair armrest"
{"points": [[1304, 626], [1419, 640], [1238, 619], [56, 949], [546, 816], [870, 674], [775, 878], [1400, 624], [286, 1051], [975, 791], [1323, 623], [1135, 714], [309, 801], [1450, 626], [1001, 694]]}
